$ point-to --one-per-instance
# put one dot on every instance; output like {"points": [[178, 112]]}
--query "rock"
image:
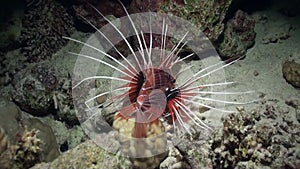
{"points": [[33, 89], [12, 121], [10, 29], [281, 34], [11, 63], [86, 155], [10, 118], [293, 102], [239, 35], [291, 73], [106, 7], [208, 16], [174, 160]]}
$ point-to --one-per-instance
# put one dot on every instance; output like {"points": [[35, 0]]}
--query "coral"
{"points": [[257, 139], [291, 73], [239, 35], [49, 146], [27, 150], [206, 15], [25, 153], [44, 24]]}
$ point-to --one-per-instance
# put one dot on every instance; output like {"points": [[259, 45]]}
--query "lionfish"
{"points": [[154, 85]]}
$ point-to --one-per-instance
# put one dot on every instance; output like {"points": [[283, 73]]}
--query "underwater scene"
{"points": [[162, 84]]}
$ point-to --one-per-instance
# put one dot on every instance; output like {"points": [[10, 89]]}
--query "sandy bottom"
{"points": [[261, 70]]}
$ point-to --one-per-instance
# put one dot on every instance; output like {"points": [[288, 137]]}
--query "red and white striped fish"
{"points": [[155, 83]]}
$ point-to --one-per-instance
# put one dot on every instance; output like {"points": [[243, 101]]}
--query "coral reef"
{"points": [[291, 73], [44, 24], [239, 35], [206, 15], [196, 152], [257, 139]]}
